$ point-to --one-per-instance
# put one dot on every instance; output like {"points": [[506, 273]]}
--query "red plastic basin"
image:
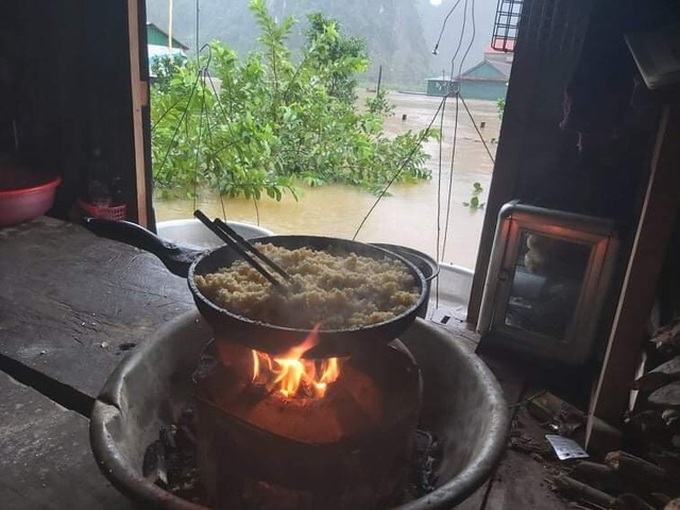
{"points": [[27, 203]]}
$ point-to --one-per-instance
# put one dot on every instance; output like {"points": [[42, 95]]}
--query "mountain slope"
{"points": [[400, 34]]}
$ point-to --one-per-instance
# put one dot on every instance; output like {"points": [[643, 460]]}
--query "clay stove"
{"points": [[291, 433], [152, 387]]}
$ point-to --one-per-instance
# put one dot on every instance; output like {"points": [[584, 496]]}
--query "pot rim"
{"points": [[248, 321], [51, 184], [434, 265]]}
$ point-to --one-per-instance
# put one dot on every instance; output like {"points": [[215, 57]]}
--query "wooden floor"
{"points": [[520, 480], [71, 306]]}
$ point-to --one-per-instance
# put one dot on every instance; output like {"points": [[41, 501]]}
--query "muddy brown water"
{"points": [[411, 216]]}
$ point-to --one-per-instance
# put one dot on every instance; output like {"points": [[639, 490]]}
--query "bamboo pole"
{"points": [[170, 9]]}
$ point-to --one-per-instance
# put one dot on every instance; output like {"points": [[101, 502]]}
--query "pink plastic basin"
{"points": [[25, 204]]}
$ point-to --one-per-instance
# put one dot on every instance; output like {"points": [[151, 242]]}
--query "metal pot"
{"points": [[254, 334]]}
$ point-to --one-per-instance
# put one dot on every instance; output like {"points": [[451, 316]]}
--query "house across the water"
{"points": [[486, 80]]}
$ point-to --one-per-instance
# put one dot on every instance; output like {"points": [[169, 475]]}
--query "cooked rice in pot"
{"points": [[336, 291]]}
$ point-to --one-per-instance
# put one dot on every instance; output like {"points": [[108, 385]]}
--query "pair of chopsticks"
{"points": [[244, 248]]}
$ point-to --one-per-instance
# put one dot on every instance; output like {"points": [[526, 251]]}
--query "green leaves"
{"points": [[475, 203], [500, 107], [339, 58], [256, 126]]}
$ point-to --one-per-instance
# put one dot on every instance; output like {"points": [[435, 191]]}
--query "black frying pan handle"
{"points": [[176, 258]]}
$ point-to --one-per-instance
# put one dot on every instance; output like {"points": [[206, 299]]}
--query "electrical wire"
{"points": [[474, 124], [198, 142], [458, 100], [441, 108], [179, 124], [214, 156], [257, 211], [460, 41], [453, 59], [450, 188], [198, 28], [439, 191], [400, 168], [472, 39], [435, 51], [455, 134], [204, 74]]}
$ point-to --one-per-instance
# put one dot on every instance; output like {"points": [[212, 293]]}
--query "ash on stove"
{"points": [[427, 457], [171, 462]]}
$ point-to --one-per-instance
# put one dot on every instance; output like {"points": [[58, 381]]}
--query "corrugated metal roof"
{"points": [[502, 67]]}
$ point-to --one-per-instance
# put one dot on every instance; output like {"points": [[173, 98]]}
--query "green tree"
{"points": [[341, 57], [266, 122], [163, 67], [500, 107]]}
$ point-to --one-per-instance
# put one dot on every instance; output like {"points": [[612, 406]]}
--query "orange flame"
{"points": [[292, 376]]}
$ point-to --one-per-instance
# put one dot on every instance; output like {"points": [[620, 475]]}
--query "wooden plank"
{"points": [[640, 283], [509, 375], [72, 303], [512, 382], [520, 482], [453, 320], [140, 99], [45, 457]]}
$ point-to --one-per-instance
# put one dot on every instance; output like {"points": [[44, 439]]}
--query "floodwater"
{"points": [[414, 215]]}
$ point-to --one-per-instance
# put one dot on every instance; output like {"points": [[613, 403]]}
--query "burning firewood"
{"points": [[264, 424]]}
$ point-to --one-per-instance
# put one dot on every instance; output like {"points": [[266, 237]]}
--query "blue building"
{"points": [[486, 80]]}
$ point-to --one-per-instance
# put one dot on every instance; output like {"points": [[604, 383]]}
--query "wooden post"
{"points": [[377, 92], [140, 99], [639, 287], [170, 9]]}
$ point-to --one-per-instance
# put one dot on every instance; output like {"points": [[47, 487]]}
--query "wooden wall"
{"points": [[579, 126], [70, 89], [580, 134]]}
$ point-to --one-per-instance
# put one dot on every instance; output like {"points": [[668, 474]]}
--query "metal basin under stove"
{"points": [[462, 404]]}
